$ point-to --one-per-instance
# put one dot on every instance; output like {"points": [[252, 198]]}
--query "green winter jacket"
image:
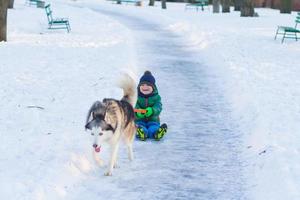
{"points": [[153, 101]]}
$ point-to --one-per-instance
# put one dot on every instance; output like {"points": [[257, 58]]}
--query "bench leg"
{"points": [[276, 33], [68, 27], [296, 37], [283, 37]]}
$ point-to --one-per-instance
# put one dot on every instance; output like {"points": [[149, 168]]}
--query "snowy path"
{"points": [[230, 96], [46, 154], [199, 159]]}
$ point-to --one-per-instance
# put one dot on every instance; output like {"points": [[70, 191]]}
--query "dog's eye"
{"points": [[92, 134], [109, 128], [100, 134]]}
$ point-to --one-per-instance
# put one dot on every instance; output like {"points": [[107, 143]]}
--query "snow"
{"points": [[230, 94]]}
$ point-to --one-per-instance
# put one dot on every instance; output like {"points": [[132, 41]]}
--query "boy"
{"points": [[148, 108]]}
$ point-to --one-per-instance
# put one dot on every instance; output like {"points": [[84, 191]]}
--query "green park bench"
{"points": [[37, 3], [197, 4], [56, 23], [135, 2], [32, 2], [289, 32]]}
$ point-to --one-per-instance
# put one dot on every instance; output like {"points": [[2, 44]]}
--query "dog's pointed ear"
{"points": [[88, 126]]}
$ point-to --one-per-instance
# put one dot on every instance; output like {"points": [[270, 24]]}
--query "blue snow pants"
{"points": [[150, 128]]}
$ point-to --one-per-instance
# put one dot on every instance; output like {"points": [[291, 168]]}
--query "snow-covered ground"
{"points": [[230, 94]]}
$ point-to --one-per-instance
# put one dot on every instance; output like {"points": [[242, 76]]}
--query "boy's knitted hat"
{"points": [[147, 78]]}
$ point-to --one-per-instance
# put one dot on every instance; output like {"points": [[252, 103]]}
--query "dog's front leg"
{"points": [[130, 152], [116, 163], [113, 159]]}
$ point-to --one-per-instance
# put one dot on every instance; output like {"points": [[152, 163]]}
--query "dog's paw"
{"points": [[107, 174]]}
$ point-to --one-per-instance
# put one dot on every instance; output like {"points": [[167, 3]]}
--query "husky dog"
{"points": [[112, 120]]}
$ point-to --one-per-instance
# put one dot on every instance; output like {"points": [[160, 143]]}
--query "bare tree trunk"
{"points": [[11, 4], [164, 4], [3, 20], [286, 6], [237, 5], [216, 6], [272, 4], [225, 6], [151, 2], [247, 8]]}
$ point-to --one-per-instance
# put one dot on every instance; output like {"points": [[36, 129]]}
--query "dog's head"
{"points": [[102, 121], [100, 129]]}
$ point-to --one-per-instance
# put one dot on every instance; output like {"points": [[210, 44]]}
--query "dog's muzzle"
{"points": [[97, 148]]}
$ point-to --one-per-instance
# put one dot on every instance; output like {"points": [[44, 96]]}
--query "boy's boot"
{"points": [[140, 133], [161, 132]]}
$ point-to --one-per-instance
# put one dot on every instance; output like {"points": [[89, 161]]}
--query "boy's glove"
{"points": [[140, 115], [149, 111]]}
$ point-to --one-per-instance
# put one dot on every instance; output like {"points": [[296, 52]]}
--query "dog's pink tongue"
{"points": [[97, 149]]}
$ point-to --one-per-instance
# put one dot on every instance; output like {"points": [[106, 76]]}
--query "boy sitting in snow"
{"points": [[148, 108]]}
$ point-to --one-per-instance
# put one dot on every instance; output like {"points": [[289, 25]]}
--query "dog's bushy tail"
{"points": [[127, 83]]}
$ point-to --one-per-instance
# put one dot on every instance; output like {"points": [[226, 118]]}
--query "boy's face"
{"points": [[146, 89]]}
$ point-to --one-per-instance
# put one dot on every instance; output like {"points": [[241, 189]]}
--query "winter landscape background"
{"points": [[230, 96]]}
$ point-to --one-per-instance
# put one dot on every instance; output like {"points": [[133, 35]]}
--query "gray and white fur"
{"points": [[112, 120]]}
